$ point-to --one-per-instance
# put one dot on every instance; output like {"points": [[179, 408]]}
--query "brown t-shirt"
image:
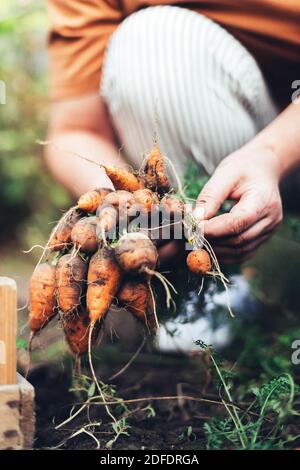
{"points": [[80, 30]]}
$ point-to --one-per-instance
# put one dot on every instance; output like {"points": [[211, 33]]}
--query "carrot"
{"points": [[42, 297], [172, 217], [70, 276], [123, 179], [107, 221], [60, 237], [199, 262], [90, 201], [114, 210], [171, 207], [121, 200], [136, 253], [76, 329], [146, 198], [133, 295], [104, 278], [84, 234], [137, 210], [155, 177]]}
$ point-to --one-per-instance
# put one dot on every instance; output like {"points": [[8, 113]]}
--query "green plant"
{"points": [[186, 435], [21, 343], [262, 422], [29, 198]]}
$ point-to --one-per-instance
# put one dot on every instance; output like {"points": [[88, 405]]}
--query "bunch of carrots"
{"points": [[91, 263]]}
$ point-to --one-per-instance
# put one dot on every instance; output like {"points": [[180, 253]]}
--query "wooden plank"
{"points": [[17, 417], [10, 432], [27, 414], [8, 331]]}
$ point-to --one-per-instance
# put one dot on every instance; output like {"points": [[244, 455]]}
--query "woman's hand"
{"points": [[249, 177]]}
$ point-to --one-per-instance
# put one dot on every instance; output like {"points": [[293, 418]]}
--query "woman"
{"points": [[216, 77]]}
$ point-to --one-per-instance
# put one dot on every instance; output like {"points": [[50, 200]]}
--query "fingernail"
{"points": [[199, 212]]}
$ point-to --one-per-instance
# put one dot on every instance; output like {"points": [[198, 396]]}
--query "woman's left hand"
{"points": [[250, 178]]}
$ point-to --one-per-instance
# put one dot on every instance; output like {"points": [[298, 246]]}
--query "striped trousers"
{"points": [[175, 71]]}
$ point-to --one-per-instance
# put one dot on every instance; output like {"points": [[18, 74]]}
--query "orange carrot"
{"points": [[136, 253], [146, 198], [123, 179], [90, 201], [121, 200], [71, 275], [133, 295], [84, 234], [137, 210], [60, 237], [199, 262], [171, 207], [104, 278], [76, 329], [42, 296], [155, 177], [113, 210], [107, 221]]}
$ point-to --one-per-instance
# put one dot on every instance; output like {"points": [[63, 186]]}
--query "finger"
{"points": [[223, 252], [242, 216], [171, 252], [213, 194], [161, 242], [263, 227]]}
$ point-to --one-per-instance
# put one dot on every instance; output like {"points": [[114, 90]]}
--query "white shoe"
{"points": [[179, 335]]}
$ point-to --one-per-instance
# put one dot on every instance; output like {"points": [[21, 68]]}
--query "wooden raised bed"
{"points": [[17, 418]]}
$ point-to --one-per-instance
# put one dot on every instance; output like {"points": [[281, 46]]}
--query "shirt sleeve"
{"points": [[79, 33]]}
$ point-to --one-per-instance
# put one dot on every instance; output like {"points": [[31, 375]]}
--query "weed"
{"points": [[186, 435], [272, 410]]}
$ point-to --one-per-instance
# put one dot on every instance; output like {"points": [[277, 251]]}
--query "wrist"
{"points": [[272, 158], [282, 139]]}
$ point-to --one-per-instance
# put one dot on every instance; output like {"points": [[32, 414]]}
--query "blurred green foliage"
{"points": [[29, 198]]}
